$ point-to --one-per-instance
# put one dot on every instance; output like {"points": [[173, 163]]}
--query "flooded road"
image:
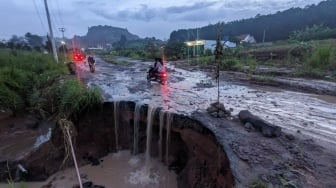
{"points": [[187, 91]]}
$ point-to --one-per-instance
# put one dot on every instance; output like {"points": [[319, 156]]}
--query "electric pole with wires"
{"points": [[62, 29], [51, 32]]}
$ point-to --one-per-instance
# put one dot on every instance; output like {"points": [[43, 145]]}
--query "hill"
{"points": [[278, 26], [101, 35]]}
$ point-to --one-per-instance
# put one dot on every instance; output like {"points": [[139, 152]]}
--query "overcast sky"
{"points": [[145, 18]]}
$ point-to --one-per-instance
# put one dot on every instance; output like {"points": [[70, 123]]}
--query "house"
{"points": [[211, 44], [198, 47], [246, 38]]}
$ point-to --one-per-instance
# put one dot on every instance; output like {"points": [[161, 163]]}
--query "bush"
{"points": [[321, 57], [21, 73], [32, 81], [300, 52], [229, 63], [73, 97]]}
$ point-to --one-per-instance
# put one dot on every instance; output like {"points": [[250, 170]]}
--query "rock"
{"points": [[94, 161], [211, 109], [290, 137], [98, 186], [83, 176], [218, 110], [218, 106], [87, 184], [266, 128], [220, 114], [249, 127], [228, 112]]}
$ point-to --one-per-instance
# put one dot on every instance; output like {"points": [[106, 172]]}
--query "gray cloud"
{"points": [[183, 9], [143, 20], [270, 5], [84, 2], [146, 13]]}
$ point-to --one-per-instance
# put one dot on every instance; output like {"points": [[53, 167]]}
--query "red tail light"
{"points": [[78, 57], [164, 74]]}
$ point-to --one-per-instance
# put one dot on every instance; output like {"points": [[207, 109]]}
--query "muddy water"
{"points": [[308, 114], [118, 170]]}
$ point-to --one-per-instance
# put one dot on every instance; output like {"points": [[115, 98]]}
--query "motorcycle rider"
{"points": [[158, 66], [91, 62], [158, 72]]}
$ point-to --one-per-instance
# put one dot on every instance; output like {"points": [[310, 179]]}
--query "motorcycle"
{"points": [[92, 66], [158, 77]]}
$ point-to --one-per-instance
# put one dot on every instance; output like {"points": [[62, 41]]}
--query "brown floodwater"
{"points": [[117, 170]]}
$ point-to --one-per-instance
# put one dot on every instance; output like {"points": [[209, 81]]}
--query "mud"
{"points": [[203, 151], [190, 89]]}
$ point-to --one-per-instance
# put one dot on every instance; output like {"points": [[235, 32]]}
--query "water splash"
{"points": [[161, 116], [143, 176], [116, 121], [136, 128], [42, 139], [150, 115], [168, 127]]}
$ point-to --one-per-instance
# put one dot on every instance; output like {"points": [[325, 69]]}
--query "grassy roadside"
{"points": [[312, 59], [31, 82], [112, 59]]}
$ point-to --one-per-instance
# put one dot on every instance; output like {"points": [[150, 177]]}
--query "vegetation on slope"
{"points": [[33, 82]]}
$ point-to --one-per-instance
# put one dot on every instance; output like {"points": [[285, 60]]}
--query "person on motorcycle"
{"points": [[158, 65], [91, 60], [92, 63], [158, 72]]}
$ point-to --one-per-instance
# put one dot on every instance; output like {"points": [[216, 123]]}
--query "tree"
{"points": [[34, 40], [2, 44], [279, 25], [175, 50], [316, 32], [14, 42]]}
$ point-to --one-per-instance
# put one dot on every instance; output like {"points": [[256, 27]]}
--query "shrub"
{"points": [[32, 81], [300, 52], [73, 97], [229, 63], [321, 57]]}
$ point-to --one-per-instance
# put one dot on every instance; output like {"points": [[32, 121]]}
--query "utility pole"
{"points": [[62, 29], [51, 32]]}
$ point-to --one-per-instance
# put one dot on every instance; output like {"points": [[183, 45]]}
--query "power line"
{"points": [[51, 32], [59, 12], [55, 17], [38, 13]]}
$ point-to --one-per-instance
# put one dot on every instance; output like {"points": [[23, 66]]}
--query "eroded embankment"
{"points": [[181, 143]]}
